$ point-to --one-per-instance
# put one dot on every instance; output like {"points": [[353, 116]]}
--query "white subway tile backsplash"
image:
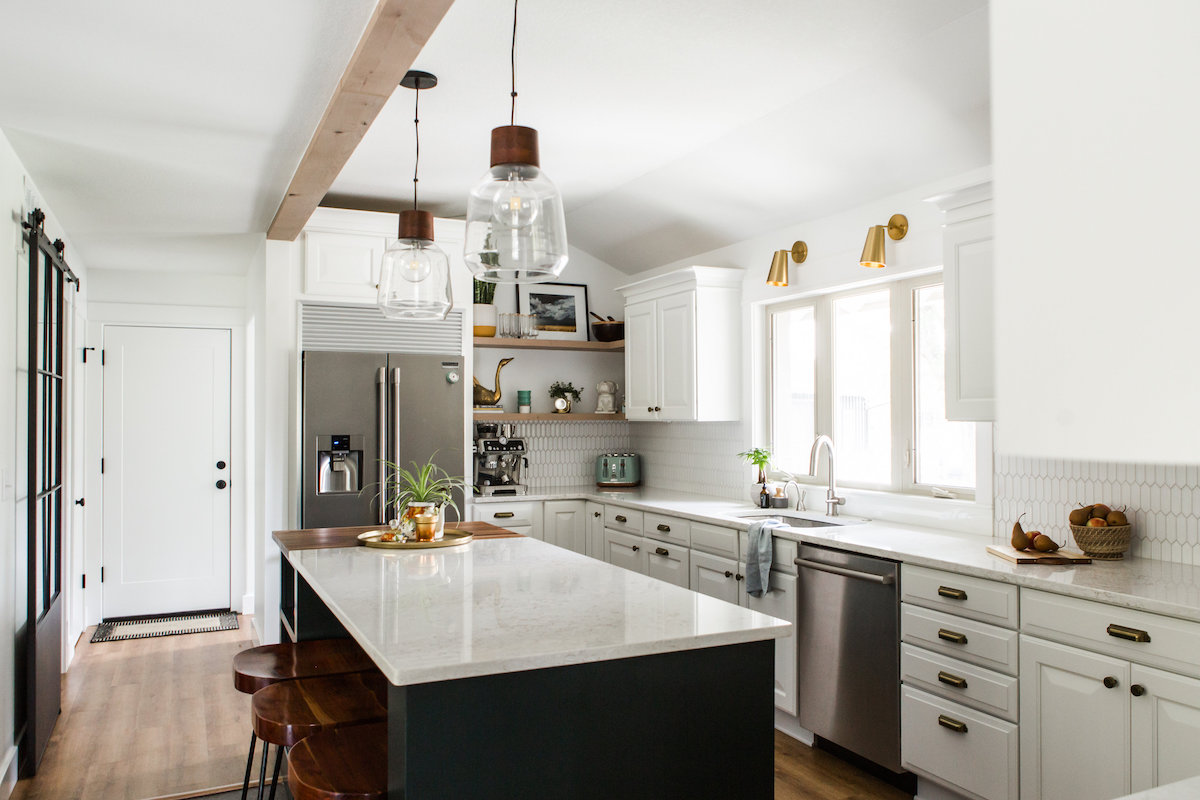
{"points": [[562, 454], [1162, 500], [697, 457]]}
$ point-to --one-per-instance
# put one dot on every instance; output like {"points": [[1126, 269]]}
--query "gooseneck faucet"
{"points": [[832, 501]]}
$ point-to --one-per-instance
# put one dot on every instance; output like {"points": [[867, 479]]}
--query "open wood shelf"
{"points": [[550, 344], [486, 417]]}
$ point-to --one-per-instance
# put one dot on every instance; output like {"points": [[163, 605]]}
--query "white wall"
{"points": [[18, 195], [1096, 162], [834, 247]]}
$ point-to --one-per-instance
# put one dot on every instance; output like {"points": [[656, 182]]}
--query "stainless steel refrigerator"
{"points": [[361, 409]]}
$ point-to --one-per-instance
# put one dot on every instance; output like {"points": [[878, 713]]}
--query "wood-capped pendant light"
{"points": [[516, 230], [414, 279], [873, 251]]}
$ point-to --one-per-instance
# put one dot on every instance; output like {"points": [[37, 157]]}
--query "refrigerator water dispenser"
{"points": [[339, 464]]}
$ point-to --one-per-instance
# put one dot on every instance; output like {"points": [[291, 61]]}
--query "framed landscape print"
{"points": [[560, 310]]}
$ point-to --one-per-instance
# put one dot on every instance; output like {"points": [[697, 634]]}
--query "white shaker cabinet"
{"points": [[682, 340], [342, 264], [716, 577], [625, 550], [1165, 727], [565, 524], [969, 278], [1074, 725], [593, 514], [779, 602], [668, 562]]}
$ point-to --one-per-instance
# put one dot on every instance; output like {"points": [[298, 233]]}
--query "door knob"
{"points": [[1110, 682], [221, 484], [220, 465]]}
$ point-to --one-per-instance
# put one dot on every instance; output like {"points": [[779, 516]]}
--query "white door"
{"points": [[641, 361], [677, 356], [166, 470], [714, 576], [75, 533], [1074, 724], [1166, 727]]}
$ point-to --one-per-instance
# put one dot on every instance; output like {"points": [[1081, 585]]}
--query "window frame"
{"points": [[903, 351]]}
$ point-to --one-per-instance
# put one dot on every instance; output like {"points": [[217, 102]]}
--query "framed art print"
{"points": [[560, 310]]}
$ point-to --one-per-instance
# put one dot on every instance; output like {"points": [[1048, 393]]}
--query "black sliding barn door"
{"points": [[48, 279]]}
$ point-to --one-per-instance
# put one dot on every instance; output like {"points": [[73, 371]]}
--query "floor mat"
{"points": [[165, 626]]}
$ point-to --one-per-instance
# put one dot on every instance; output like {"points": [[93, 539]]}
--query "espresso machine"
{"points": [[498, 460]]}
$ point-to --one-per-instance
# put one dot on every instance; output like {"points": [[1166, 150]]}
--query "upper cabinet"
{"points": [[682, 339], [970, 317]]}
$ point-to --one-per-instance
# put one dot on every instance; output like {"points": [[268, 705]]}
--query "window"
{"points": [[868, 366]]}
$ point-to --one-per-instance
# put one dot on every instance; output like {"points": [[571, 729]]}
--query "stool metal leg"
{"points": [[275, 777], [262, 772], [249, 766]]}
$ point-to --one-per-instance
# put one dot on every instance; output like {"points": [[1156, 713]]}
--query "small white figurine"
{"points": [[606, 397]]}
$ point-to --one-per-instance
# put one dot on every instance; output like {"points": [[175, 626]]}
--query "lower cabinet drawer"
{"points": [[965, 639], [508, 515], [982, 689], [668, 529], [963, 749], [783, 557], [668, 562], [715, 539]]}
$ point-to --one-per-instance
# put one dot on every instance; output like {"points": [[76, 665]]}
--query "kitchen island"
{"points": [[520, 669]]}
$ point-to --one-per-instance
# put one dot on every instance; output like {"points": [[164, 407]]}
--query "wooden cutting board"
{"points": [[1057, 558]]}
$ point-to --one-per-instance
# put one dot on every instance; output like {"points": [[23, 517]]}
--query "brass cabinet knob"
{"points": [[1137, 690], [1110, 682], [636, 548], [739, 576], [650, 409], [595, 513], [728, 574]]}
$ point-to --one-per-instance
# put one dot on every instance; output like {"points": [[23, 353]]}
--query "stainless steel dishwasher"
{"points": [[848, 636]]}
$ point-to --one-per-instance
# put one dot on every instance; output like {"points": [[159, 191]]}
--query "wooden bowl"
{"points": [[608, 331], [1106, 544]]}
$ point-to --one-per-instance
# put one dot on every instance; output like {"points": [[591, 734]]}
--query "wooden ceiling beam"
{"points": [[393, 39]]}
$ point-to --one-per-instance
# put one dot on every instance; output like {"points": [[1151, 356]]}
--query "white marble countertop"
{"points": [[507, 605], [1187, 789], [1159, 586]]}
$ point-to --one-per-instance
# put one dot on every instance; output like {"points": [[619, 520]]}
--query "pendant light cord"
{"points": [[513, 57], [417, 135]]}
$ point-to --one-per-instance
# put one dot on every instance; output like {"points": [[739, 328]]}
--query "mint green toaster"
{"points": [[618, 470]]}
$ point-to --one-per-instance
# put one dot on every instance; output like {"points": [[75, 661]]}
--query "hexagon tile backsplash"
{"points": [[1162, 500]]}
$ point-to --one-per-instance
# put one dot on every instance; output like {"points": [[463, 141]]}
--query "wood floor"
{"points": [[159, 718], [147, 718]]}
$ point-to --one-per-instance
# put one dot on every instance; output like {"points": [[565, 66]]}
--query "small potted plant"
{"points": [[564, 394], [483, 312], [761, 458], [422, 491]]}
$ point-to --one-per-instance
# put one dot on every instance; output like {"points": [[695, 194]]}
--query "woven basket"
{"points": [[1108, 544]]}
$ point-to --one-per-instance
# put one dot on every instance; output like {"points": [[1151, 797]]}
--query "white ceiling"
{"points": [[163, 134], [679, 126]]}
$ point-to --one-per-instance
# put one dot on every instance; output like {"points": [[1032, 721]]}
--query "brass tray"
{"points": [[450, 538]]}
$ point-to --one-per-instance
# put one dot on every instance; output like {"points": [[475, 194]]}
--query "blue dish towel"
{"points": [[759, 554]]}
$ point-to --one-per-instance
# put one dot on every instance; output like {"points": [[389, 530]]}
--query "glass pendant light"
{"points": [[516, 230], [414, 280]]}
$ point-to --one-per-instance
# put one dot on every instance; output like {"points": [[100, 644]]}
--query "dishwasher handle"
{"points": [[885, 580]]}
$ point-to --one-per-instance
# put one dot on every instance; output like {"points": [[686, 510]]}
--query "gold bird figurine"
{"points": [[488, 397]]}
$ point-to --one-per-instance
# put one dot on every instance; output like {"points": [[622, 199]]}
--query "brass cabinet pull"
{"points": [[620, 518], [952, 680], [1110, 682], [953, 594], [952, 724], [1137, 690], [1128, 634], [665, 528], [503, 514], [661, 551], [951, 636]]}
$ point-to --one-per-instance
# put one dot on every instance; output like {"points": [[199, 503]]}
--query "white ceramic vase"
{"points": [[483, 318]]}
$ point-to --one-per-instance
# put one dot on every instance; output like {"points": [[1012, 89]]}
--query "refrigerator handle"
{"points": [[395, 395], [381, 432]]}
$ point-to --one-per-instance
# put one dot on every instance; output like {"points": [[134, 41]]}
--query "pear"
{"points": [[1097, 522], [1100, 511], [1081, 515], [1020, 540], [1044, 544], [1117, 518]]}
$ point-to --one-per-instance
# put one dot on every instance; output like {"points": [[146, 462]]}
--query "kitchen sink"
{"points": [[796, 520]]}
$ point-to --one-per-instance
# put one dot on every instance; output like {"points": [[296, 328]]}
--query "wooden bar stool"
{"points": [[348, 763], [259, 667], [288, 712]]}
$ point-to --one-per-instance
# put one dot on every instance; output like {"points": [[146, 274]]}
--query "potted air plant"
{"points": [[425, 490], [483, 311]]}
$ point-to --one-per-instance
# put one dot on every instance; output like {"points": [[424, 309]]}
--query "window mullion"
{"points": [[824, 380], [902, 383]]}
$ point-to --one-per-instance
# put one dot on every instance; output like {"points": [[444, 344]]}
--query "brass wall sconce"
{"points": [[872, 254], [778, 276]]}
